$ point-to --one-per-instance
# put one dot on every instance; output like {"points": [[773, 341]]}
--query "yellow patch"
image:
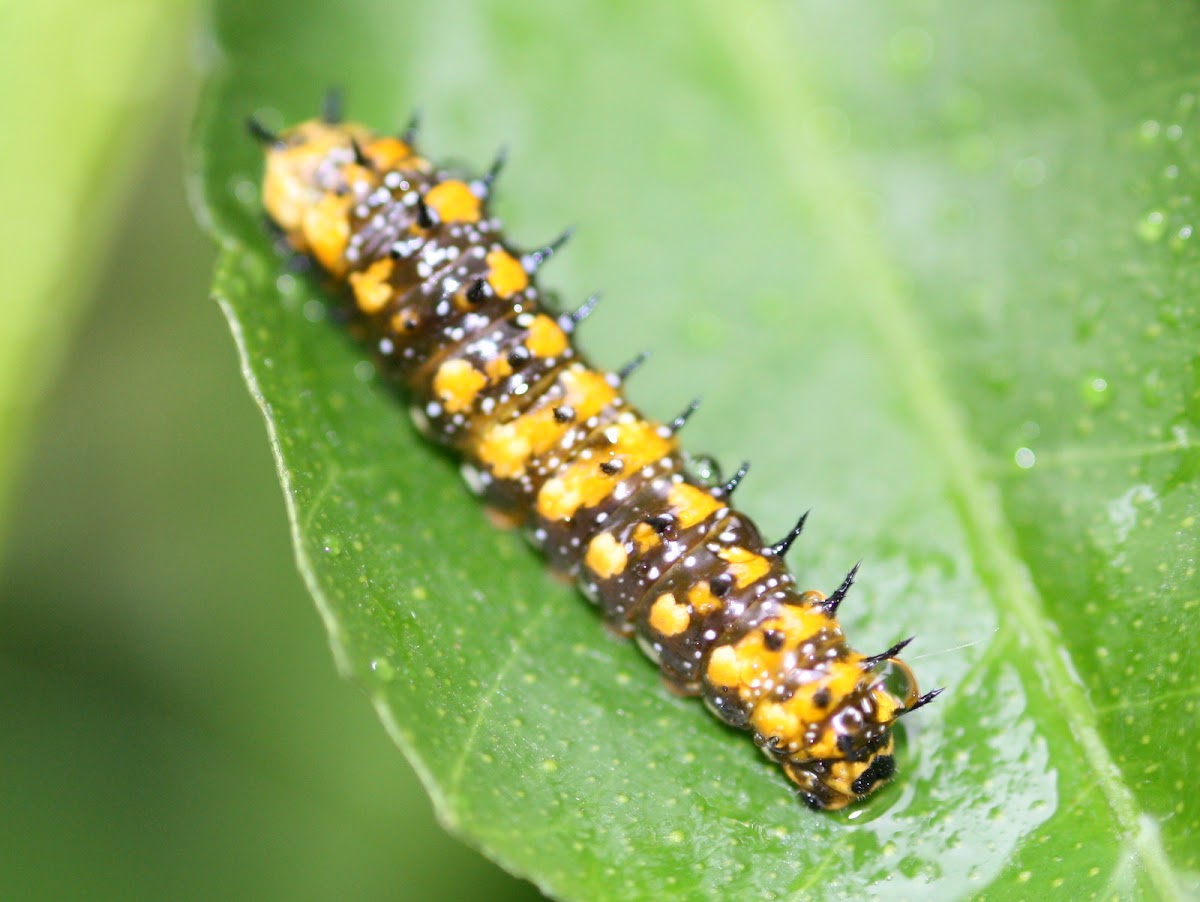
{"points": [[545, 339], [692, 505], [605, 556], [505, 274], [645, 537], [586, 391], [387, 152], [774, 719], [724, 668], [326, 228], [702, 600], [507, 447], [505, 450], [584, 484], [744, 566], [456, 385], [372, 290], [667, 616], [497, 368], [453, 201]]}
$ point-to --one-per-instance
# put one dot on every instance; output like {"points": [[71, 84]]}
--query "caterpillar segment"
{"points": [[454, 315]]}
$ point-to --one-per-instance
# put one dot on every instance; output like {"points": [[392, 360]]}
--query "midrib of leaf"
{"points": [[820, 181]]}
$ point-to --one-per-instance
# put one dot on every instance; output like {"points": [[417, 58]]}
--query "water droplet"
{"points": [[1149, 130], [705, 469], [364, 371], [1031, 429], [331, 545], [1025, 458], [1181, 238], [910, 49], [314, 311], [1174, 132], [383, 669], [244, 191], [1095, 391], [1171, 172], [1150, 227]]}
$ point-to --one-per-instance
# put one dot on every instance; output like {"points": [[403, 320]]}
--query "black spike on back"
{"points": [[839, 594], [569, 321], [533, 261], [677, 423], [873, 660], [425, 217], [410, 131], [727, 489], [489, 177], [261, 133], [922, 701], [628, 369], [332, 107], [359, 157], [780, 548]]}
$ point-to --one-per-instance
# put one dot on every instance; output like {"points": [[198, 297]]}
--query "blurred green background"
{"points": [[173, 726]]}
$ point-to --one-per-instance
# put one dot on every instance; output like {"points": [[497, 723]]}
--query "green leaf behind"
{"points": [[934, 270]]}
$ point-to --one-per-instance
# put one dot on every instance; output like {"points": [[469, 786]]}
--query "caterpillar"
{"points": [[453, 314]]}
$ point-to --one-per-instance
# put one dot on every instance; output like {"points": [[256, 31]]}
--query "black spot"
{"points": [[812, 801], [518, 358], [879, 770], [821, 698], [661, 524], [720, 585], [774, 639], [845, 744], [425, 218], [612, 467], [563, 414], [478, 291]]}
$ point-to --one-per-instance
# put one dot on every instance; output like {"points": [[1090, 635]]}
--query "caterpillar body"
{"points": [[454, 315]]}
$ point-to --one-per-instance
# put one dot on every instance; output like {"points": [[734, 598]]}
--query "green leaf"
{"points": [[934, 270]]}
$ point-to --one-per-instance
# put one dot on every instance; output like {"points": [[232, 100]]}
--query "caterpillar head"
{"points": [[853, 751]]}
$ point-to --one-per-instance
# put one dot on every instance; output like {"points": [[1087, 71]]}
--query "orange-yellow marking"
{"points": [[775, 719], [546, 339], [645, 537], [505, 274], [326, 228], [387, 152], [507, 448], [606, 556], [453, 201], [744, 566], [497, 368], [586, 391], [724, 669], [372, 290], [584, 484], [692, 505], [702, 600], [456, 385], [667, 616]]}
